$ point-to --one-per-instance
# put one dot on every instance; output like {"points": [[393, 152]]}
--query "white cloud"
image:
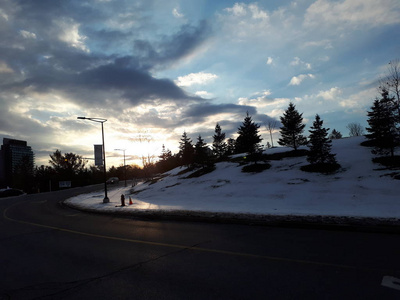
{"points": [[270, 60], [204, 94], [239, 9], [296, 80], [257, 13], [330, 94], [245, 21], [370, 13], [4, 68], [3, 15], [195, 78], [360, 100], [261, 100], [298, 62], [176, 13], [27, 34], [70, 34], [326, 44]]}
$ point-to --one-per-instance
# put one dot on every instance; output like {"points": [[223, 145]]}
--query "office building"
{"points": [[12, 154]]}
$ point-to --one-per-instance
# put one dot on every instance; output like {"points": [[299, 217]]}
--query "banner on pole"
{"points": [[98, 155]]}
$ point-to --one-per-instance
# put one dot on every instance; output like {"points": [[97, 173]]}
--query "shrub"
{"points": [[256, 168], [321, 168], [388, 161]]}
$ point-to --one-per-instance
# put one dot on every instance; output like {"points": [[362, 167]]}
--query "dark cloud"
{"points": [[209, 109], [45, 63], [92, 85], [172, 48]]}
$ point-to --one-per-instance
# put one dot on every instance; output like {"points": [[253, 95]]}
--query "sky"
{"points": [[155, 69]]}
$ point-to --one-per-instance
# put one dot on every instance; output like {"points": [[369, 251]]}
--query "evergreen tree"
{"points": [[219, 147], [186, 150], [320, 145], [335, 135], [166, 162], [292, 128], [165, 154], [200, 151], [382, 121], [230, 146], [248, 139]]}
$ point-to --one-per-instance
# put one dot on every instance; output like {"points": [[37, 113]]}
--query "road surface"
{"points": [[49, 251]]}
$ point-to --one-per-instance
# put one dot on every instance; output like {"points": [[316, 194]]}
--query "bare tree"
{"points": [[391, 83], [148, 159], [271, 125], [355, 129]]}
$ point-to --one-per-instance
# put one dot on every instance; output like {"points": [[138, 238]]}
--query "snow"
{"points": [[360, 189]]}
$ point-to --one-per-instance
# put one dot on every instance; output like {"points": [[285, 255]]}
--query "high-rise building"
{"points": [[12, 154]]}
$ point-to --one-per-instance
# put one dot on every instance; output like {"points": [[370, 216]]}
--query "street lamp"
{"points": [[124, 162], [101, 120]]}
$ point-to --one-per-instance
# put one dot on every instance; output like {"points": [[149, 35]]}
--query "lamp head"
{"points": [[81, 118]]}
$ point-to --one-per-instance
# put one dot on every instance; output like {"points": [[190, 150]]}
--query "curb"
{"points": [[349, 223]]}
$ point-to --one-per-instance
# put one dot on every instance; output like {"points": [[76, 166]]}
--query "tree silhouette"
{"points": [[248, 139], [292, 128], [382, 121], [186, 150], [201, 152], [219, 146], [320, 144]]}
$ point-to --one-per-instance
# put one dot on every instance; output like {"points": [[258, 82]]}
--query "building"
{"points": [[12, 154]]}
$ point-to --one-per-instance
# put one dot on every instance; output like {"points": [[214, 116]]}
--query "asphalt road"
{"points": [[49, 251]]}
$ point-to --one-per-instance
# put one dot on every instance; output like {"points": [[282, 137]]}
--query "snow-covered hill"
{"points": [[361, 188]]}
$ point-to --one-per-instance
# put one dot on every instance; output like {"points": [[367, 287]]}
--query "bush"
{"points": [[279, 156], [255, 168], [202, 171], [388, 161], [321, 168]]}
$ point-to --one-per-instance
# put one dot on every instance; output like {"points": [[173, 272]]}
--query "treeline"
{"points": [[248, 141]]}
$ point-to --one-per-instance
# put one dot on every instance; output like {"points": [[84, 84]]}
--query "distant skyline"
{"points": [[155, 69]]}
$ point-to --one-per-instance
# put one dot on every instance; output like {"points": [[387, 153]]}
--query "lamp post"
{"points": [[124, 163], [101, 120]]}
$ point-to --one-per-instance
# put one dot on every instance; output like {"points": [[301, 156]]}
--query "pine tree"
{"points": [[186, 150], [335, 135], [165, 154], [320, 145], [292, 129], [219, 146], [248, 139], [200, 151], [230, 146], [166, 162], [382, 121]]}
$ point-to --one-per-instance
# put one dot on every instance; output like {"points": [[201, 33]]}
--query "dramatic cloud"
{"points": [[165, 67]]}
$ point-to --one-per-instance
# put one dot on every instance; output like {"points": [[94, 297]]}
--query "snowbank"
{"points": [[359, 189]]}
